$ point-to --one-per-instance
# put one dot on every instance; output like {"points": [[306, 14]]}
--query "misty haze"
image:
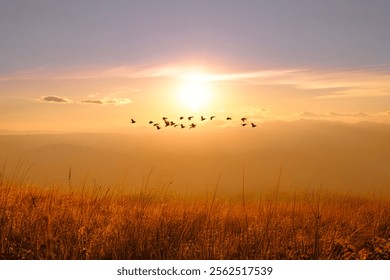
{"points": [[310, 154]]}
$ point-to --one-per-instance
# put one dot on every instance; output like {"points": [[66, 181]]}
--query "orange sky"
{"points": [[71, 66], [100, 99]]}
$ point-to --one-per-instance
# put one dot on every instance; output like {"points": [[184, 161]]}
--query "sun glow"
{"points": [[194, 91]]}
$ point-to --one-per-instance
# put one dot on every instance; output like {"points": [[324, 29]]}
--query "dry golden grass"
{"points": [[50, 224]]}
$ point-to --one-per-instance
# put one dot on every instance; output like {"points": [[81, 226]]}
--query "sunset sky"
{"points": [[93, 65]]}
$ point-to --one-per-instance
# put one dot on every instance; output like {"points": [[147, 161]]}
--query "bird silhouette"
{"points": [[158, 127], [150, 122], [181, 118], [202, 118], [167, 123], [156, 124], [253, 125], [243, 119], [229, 118], [192, 125], [182, 126], [212, 117], [189, 118], [133, 121], [164, 118], [243, 124], [172, 123]]}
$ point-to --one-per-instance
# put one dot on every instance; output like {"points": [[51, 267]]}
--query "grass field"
{"points": [[104, 223]]}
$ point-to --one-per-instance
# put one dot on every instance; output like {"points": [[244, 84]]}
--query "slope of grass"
{"points": [[38, 223]]}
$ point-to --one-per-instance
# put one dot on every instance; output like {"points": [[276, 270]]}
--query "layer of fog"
{"points": [[309, 154]]}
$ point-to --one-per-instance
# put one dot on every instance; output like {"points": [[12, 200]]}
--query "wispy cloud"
{"points": [[92, 101], [370, 82], [254, 111], [357, 114], [54, 99], [333, 83], [103, 101], [342, 83], [307, 114], [108, 101]]}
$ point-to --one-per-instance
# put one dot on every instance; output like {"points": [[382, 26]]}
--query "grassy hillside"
{"points": [[108, 223]]}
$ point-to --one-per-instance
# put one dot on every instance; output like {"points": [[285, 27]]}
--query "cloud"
{"points": [[254, 111], [357, 114], [370, 81], [327, 84], [92, 101], [307, 114], [109, 101], [352, 117], [311, 115], [178, 70], [54, 99], [104, 101]]}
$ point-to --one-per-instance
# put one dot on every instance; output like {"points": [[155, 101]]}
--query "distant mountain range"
{"points": [[337, 156]]}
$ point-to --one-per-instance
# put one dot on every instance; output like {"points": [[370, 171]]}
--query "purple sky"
{"points": [[300, 33]]}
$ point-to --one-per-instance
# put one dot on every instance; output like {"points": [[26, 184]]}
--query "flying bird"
{"points": [[172, 123], [182, 126], [192, 125], [212, 117], [243, 124], [133, 121], [202, 118], [164, 118], [158, 127], [150, 122], [181, 118], [156, 124], [253, 125], [229, 118], [189, 118], [243, 119]]}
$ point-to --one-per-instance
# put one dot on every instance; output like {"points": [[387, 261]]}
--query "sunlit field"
{"points": [[170, 130], [109, 223]]}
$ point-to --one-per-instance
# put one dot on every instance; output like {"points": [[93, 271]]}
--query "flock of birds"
{"points": [[167, 122]]}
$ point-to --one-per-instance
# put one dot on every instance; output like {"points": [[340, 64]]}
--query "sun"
{"points": [[194, 91]]}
